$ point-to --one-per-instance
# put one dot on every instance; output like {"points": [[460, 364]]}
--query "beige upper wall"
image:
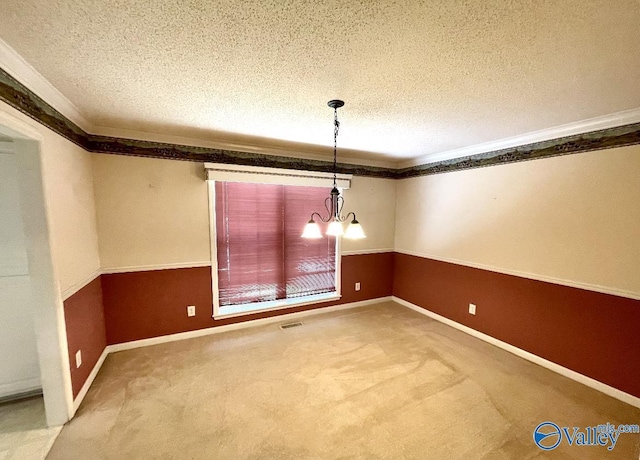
{"points": [[69, 197], [374, 203], [573, 218], [69, 194], [155, 212], [150, 212]]}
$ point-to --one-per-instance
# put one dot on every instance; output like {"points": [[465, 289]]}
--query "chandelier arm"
{"points": [[339, 206], [351, 213], [320, 217], [328, 204]]}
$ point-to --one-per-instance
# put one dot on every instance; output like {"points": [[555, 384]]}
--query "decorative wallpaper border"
{"points": [[21, 98], [120, 146], [596, 140]]}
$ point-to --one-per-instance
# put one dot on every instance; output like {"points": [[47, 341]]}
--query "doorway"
{"points": [[20, 372], [34, 344]]}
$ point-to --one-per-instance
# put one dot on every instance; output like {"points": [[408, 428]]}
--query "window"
{"points": [[262, 261]]}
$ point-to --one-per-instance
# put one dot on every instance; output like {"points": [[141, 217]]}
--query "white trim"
{"points": [[79, 285], [13, 119], [612, 120], [202, 263], [131, 269], [532, 276], [274, 305], [21, 386], [255, 174], [213, 245], [573, 375], [240, 325], [144, 268], [49, 324], [337, 275], [89, 381], [366, 251], [21, 70]]}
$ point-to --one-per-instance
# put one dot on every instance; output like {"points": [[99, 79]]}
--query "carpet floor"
{"points": [[377, 382]]}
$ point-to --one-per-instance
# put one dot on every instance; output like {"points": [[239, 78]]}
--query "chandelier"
{"points": [[334, 201]]}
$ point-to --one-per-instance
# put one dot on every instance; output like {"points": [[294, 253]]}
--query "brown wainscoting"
{"points": [[141, 305], [595, 334], [84, 318]]}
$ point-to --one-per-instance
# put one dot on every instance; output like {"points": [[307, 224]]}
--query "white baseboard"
{"points": [[208, 331], [580, 378], [89, 381], [241, 325], [573, 375]]}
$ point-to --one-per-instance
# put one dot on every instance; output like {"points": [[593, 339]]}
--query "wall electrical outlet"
{"points": [[472, 308], [357, 286], [78, 358], [191, 310]]}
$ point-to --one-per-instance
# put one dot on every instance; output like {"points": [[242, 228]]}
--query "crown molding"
{"points": [[29, 103], [21, 70], [276, 148], [613, 120], [21, 98], [620, 136]]}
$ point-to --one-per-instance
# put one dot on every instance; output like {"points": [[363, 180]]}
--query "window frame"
{"points": [[234, 173]]}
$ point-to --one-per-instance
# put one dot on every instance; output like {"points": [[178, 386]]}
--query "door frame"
{"points": [[48, 310]]}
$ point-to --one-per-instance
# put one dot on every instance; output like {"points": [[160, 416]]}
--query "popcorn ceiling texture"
{"points": [[417, 77]]}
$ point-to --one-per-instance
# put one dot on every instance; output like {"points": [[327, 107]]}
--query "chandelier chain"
{"points": [[336, 127]]}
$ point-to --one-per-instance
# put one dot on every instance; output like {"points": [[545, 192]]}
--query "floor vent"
{"points": [[288, 325]]}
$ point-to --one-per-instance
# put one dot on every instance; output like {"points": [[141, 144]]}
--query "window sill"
{"points": [[230, 311]]}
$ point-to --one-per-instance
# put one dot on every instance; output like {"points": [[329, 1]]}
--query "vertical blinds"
{"points": [[261, 256]]}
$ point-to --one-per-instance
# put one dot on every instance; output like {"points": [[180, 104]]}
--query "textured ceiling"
{"points": [[418, 77]]}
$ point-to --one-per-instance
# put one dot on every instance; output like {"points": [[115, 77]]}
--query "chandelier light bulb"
{"points": [[354, 231], [312, 230], [335, 229]]}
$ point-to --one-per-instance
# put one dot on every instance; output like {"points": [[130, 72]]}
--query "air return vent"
{"points": [[290, 325]]}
